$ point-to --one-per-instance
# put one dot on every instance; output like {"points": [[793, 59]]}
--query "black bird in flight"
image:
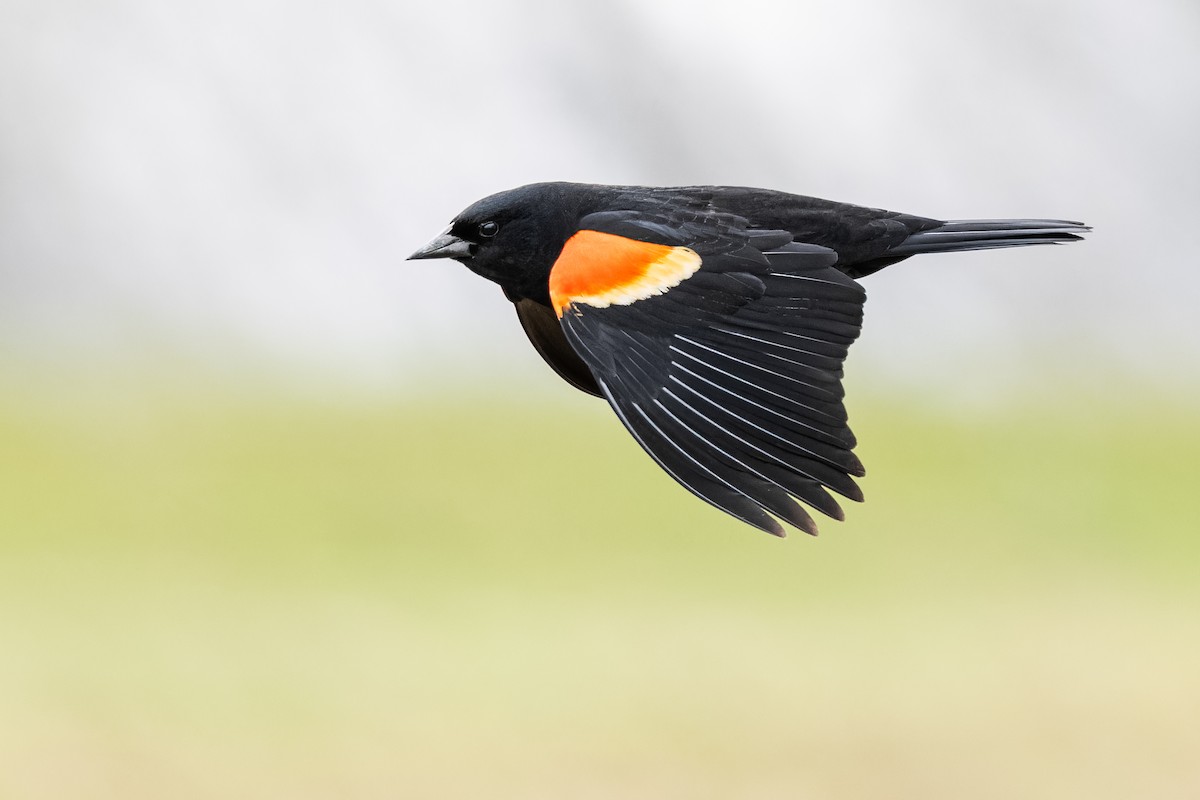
{"points": [[713, 319]]}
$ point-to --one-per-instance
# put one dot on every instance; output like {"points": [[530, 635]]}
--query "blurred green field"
{"points": [[214, 594]]}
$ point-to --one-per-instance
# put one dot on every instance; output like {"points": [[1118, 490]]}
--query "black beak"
{"points": [[445, 246]]}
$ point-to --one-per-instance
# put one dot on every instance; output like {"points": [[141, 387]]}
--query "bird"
{"points": [[714, 320]]}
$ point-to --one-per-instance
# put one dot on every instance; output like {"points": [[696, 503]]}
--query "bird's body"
{"points": [[714, 319]]}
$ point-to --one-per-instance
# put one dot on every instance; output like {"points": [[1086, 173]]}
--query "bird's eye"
{"points": [[488, 229]]}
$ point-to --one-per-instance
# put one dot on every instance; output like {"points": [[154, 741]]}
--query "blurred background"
{"points": [[282, 515]]}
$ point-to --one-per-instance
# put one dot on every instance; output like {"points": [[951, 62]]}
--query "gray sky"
{"points": [[241, 181]]}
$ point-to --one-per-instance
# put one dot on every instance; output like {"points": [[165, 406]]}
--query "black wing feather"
{"points": [[731, 380], [691, 473]]}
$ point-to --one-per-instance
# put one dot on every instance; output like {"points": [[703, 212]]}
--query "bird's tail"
{"points": [[988, 234]]}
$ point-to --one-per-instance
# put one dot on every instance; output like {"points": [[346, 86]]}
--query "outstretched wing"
{"points": [[721, 349]]}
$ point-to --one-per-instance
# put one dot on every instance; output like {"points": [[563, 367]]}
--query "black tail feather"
{"points": [[988, 234]]}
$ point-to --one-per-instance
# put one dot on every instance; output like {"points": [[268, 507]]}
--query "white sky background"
{"points": [[240, 182]]}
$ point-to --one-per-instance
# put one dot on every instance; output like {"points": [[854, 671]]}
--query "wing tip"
{"points": [[804, 521], [850, 491], [767, 525]]}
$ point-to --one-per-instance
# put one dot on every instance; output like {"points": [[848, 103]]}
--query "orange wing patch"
{"points": [[602, 269]]}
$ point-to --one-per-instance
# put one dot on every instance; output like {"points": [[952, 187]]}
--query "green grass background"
{"points": [[209, 593]]}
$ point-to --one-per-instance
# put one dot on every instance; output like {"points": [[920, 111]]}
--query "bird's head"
{"points": [[512, 238]]}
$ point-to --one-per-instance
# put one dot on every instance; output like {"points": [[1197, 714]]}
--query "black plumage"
{"points": [[714, 320]]}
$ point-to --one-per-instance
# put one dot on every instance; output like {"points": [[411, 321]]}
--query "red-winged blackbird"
{"points": [[713, 319]]}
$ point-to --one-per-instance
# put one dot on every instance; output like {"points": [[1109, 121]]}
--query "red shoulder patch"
{"points": [[603, 269]]}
